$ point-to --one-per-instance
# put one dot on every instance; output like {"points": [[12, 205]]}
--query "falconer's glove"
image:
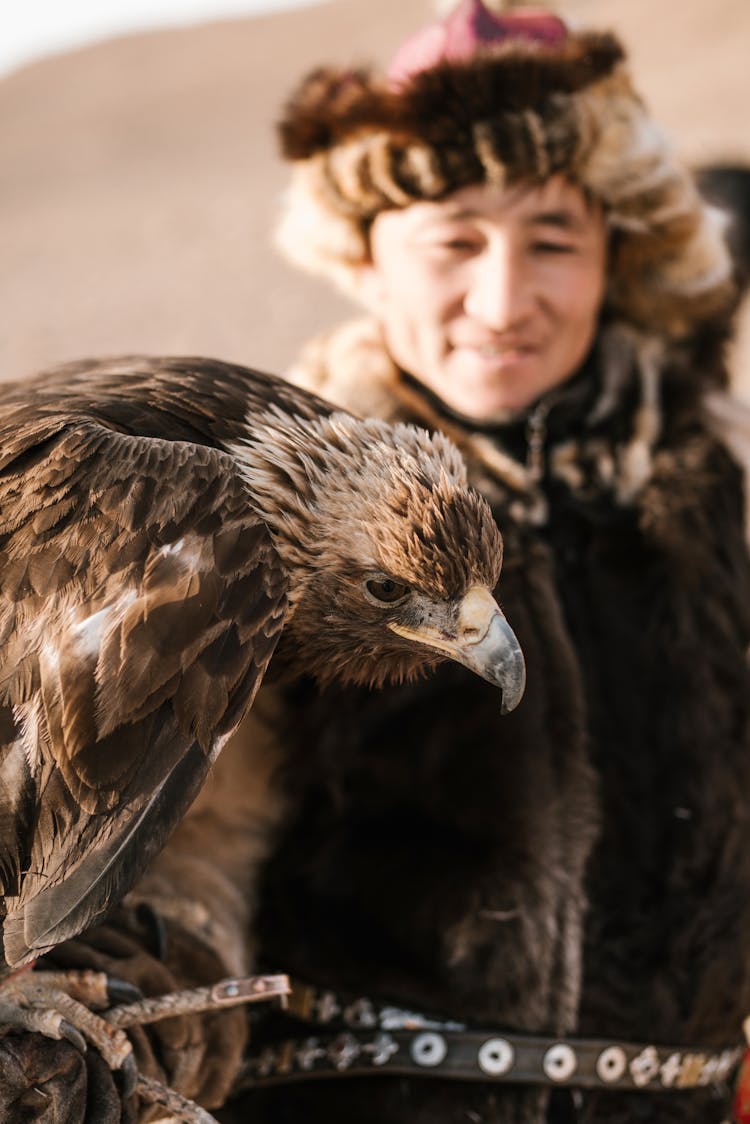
{"points": [[198, 1055], [43, 1081]]}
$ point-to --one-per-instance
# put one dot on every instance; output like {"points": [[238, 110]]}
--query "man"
{"points": [[545, 284]]}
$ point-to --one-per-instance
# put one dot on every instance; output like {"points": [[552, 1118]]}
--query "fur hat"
{"points": [[502, 98]]}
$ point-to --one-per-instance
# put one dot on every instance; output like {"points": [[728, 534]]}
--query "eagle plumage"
{"points": [[167, 526]]}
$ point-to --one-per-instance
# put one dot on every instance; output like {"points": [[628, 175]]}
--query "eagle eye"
{"points": [[385, 590]]}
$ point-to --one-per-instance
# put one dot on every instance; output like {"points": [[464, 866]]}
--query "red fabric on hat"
{"points": [[469, 28]]}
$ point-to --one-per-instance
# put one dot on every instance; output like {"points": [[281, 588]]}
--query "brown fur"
{"points": [[438, 106]]}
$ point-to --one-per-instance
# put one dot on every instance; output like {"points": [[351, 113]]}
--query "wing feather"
{"points": [[140, 603]]}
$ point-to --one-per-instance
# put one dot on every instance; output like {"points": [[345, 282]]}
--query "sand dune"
{"points": [[139, 177]]}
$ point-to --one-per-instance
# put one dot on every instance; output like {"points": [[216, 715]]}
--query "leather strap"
{"points": [[360, 1037]]}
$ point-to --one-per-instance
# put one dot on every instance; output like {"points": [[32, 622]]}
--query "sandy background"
{"points": [[139, 179]]}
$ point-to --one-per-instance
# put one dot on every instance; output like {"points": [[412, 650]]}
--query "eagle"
{"points": [[173, 531]]}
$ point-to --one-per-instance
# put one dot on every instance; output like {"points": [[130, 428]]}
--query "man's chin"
{"points": [[482, 393], [484, 410], [482, 403]]}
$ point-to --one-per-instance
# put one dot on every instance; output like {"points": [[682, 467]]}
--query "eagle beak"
{"points": [[487, 645], [483, 641]]}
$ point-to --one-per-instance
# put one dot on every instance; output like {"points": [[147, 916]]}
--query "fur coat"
{"points": [[582, 865]]}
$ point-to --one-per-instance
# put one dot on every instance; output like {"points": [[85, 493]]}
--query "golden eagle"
{"points": [[169, 528]]}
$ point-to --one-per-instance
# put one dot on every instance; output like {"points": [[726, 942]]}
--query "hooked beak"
{"points": [[483, 641]]}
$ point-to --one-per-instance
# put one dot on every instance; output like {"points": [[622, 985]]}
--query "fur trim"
{"points": [[360, 145], [439, 106], [351, 367]]}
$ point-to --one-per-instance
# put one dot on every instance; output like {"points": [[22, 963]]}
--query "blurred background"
{"points": [[139, 179]]}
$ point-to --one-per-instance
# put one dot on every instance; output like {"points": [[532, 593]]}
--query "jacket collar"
{"points": [[595, 435]]}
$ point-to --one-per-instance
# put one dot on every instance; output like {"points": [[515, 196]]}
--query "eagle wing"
{"points": [[140, 603]]}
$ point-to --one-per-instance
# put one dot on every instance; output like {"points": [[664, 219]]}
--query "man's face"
{"points": [[489, 297]]}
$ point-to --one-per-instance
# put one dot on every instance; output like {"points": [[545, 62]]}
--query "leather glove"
{"points": [[198, 1055], [43, 1081]]}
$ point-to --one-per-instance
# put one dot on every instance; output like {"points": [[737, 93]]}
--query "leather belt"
{"points": [[361, 1037]]}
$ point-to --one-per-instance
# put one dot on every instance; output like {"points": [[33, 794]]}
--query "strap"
{"points": [[475, 1055], [361, 1037]]}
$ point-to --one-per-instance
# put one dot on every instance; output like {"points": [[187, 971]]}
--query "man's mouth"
{"points": [[495, 351], [499, 353], [494, 347]]}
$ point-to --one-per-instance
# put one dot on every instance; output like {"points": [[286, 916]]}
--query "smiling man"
{"points": [[542, 281], [492, 297]]}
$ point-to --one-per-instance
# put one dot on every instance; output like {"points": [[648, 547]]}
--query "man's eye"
{"points": [[386, 590], [455, 247], [552, 248], [447, 244]]}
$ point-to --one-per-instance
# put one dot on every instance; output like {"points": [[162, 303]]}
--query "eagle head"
{"points": [[393, 556]]}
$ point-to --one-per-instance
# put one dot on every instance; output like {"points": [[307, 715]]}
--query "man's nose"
{"points": [[499, 294]]}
